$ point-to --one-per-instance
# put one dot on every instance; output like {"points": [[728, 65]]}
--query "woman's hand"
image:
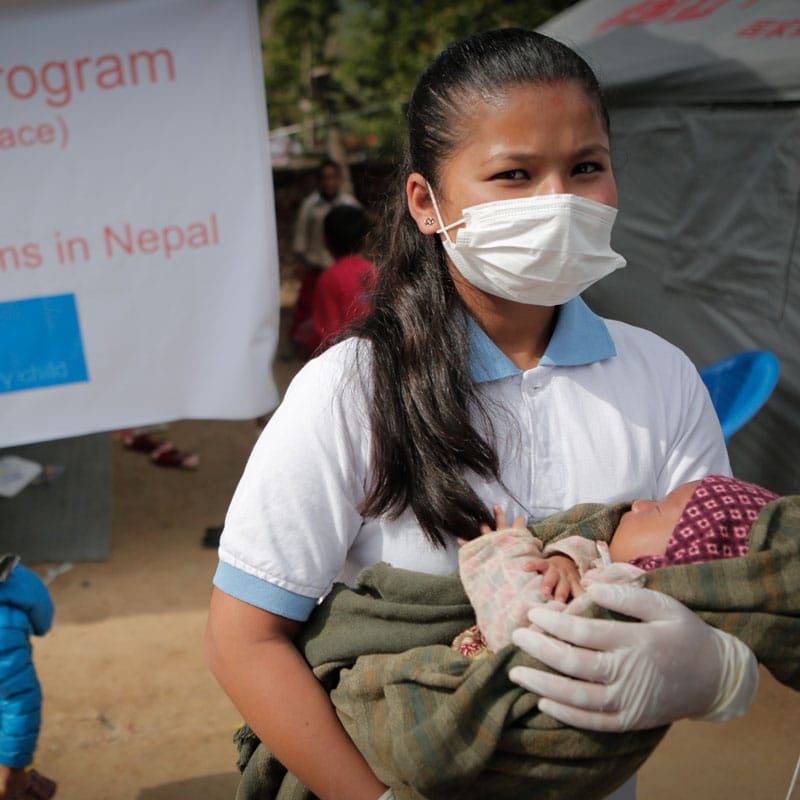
{"points": [[635, 675]]}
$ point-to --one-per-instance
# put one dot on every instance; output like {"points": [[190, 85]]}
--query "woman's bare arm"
{"points": [[251, 654]]}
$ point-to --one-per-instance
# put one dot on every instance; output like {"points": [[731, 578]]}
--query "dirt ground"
{"points": [[131, 712]]}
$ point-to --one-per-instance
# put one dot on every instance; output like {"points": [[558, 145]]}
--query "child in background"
{"points": [[341, 294], [308, 244], [25, 609], [699, 521]]}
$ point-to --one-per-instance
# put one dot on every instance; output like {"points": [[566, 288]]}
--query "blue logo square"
{"points": [[40, 344]]}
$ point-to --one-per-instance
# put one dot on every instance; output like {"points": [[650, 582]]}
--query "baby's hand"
{"points": [[560, 580], [501, 522]]}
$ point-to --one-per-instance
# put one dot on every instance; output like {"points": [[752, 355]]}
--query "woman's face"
{"points": [[532, 140]]}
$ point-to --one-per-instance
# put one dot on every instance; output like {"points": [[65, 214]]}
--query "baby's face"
{"points": [[645, 529]]}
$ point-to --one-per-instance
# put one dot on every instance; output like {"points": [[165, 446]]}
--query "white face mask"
{"points": [[541, 250]]}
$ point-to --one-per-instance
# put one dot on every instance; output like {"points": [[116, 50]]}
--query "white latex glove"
{"points": [[635, 675], [387, 795]]}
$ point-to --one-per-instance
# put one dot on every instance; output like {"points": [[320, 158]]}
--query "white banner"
{"points": [[138, 255]]}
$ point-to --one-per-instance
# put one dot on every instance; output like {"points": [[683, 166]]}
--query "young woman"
{"points": [[479, 375]]}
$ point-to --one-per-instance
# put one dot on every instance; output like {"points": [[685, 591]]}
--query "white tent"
{"points": [[704, 100]]}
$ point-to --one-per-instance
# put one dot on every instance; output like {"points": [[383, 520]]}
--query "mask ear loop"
{"points": [[442, 227]]}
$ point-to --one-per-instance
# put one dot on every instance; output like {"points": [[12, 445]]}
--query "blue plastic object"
{"points": [[740, 385]]}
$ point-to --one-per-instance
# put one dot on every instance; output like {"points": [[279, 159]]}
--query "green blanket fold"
{"points": [[435, 724]]}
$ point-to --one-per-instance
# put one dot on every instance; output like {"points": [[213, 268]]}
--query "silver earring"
{"points": [[430, 221]]}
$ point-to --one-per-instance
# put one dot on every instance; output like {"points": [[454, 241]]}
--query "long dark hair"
{"points": [[424, 404]]}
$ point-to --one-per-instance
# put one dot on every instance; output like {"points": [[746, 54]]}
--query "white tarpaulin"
{"points": [[687, 51], [138, 256]]}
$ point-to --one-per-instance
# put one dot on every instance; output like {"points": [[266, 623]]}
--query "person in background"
{"points": [[342, 293], [480, 377], [25, 609], [309, 237]]}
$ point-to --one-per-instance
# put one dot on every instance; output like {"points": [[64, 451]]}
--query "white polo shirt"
{"points": [[611, 412]]}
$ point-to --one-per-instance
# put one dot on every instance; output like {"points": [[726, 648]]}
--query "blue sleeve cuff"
{"points": [[261, 594]]}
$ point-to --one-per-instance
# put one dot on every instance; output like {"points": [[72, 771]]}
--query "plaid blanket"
{"points": [[435, 724]]}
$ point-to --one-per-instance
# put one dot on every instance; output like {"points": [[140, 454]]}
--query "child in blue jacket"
{"points": [[25, 609]]}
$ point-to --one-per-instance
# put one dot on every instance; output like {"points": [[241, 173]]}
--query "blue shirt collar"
{"points": [[580, 337]]}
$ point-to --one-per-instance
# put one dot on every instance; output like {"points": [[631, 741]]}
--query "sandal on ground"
{"points": [[167, 455], [212, 536], [37, 788], [136, 440]]}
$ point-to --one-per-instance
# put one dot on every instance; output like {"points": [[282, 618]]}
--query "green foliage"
{"points": [[374, 50], [296, 42]]}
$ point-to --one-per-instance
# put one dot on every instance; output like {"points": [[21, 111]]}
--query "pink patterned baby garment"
{"points": [[502, 593]]}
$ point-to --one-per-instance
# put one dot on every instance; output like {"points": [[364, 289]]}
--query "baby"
{"points": [[507, 571]]}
